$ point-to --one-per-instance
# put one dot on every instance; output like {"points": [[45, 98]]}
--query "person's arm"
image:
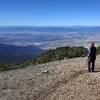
{"points": [[89, 55], [95, 50]]}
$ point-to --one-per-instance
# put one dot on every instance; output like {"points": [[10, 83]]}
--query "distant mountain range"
{"points": [[50, 29], [15, 54], [20, 43]]}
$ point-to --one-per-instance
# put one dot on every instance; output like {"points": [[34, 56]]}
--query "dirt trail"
{"points": [[58, 80]]}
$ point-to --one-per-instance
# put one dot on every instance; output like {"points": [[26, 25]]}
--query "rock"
{"points": [[45, 72]]}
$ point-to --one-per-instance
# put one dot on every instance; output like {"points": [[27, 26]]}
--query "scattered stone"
{"points": [[52, 81], [45, 72]]}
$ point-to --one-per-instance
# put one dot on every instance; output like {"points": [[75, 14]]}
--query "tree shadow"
{"points": [[97, 70]]}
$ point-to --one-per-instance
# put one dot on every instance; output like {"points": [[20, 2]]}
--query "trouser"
{"points": [[91, 68]]}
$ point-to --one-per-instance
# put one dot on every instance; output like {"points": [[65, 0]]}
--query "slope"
{"points": [[58, 80]]}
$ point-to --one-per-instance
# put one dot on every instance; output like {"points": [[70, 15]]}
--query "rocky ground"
{"points": [[59, 80]]}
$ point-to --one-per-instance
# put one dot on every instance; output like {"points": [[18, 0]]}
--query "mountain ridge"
{"points": [[59, 80], [17, 54]]}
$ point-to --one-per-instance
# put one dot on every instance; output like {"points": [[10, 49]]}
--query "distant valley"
{"points": [[26, 42], [17, 54]]}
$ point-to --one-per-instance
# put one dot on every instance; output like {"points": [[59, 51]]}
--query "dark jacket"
{"points": [[92, 53]]}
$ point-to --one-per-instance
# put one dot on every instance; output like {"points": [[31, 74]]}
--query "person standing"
{"points": [[91, 58]]}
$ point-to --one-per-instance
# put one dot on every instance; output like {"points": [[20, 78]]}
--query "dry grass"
{"points": [[59, 80]]}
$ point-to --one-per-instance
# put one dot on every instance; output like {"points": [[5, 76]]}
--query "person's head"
{"points": [[92, 44]]}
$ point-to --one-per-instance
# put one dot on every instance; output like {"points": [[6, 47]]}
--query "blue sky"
{"points": [[50, 12]]}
